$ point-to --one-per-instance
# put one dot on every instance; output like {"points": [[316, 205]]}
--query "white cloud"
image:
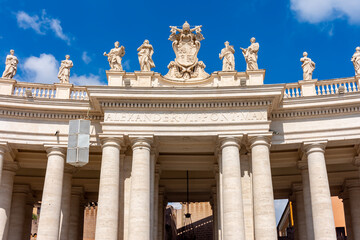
{"points": [[316, 11], [90, 79], [41, 24], [85, 57], [43, 69]]}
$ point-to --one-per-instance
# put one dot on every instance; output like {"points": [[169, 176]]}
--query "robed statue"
{"points": [[227, 55], [145, 52], [64, 70], [115, 56], [11, 63], [186, 45], [308, 66], [356, 61], [251, 55]]}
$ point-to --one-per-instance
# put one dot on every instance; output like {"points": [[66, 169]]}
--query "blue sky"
{"points": [[42, 32]]}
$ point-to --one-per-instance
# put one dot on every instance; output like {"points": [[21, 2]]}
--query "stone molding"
{"points": [[10, 166], [352, 184], [56, 150], [297, 187], [302, 165], [77, 191], [111, 140], [230, 140], [65, 116], [21, 188], [184, 105], [70, 169], [314, 146], [315, 112]]}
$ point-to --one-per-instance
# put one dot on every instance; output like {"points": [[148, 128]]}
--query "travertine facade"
{"points": [[244, 143]]}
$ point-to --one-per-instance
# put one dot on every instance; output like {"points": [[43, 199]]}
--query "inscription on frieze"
{"points": [[186, 117]]}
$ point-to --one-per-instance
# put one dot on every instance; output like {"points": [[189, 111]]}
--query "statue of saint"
{"points": [[227, 55], [64, 70], [145, 52], [11, 65], [308, 66], [251, 55], [356, 61], [115, 56]]}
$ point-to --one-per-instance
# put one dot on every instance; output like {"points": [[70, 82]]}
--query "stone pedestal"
{"points": [[7, 86], [264, 210], [144, 79], [353, 187], [255, 77], [228, 78], [18, 211], [233, 212], [109, 190], [308, 87], [6, 189], [300, 220], [63, 90], [139, 217], [323, 218], [307, 199], [49, 222], [115, 78]]}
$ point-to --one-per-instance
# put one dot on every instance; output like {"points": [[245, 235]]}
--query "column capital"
{"points": [[10, 166], [352, 184], [111, 140], [141, 141], [4, 147], [59, 150], [260, 139], [230, 140], [70, 169], [216, 168], [157, 168], [297, 187], [344, 195], [302, 165], [21, 188], [314, 146], [161, 190], [356, 161], [77, 191]]}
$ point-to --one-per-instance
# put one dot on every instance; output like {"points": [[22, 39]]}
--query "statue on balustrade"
{"points": [[11, 65], [115, 56], [64, 70], [308, 66], [251, 55], [186, 45], [356, 61], [145, 52], [227, 55]]}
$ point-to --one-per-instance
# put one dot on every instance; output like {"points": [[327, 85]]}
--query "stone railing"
{"points": [[44, 91], [323, 87], [34, 90]]}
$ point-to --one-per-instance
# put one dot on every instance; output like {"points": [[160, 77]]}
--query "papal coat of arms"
{"points": [[186, 45]]}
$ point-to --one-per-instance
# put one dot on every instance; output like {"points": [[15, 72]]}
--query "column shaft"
{"points": [[232, 194], [161, 216], [347, 213], [307, 203], [300, 220], [18, 208], [6, 188], [65, 206], [74, 224], [323, 218], [156, 201], [2, 157], [108, 203], [264, 210], [354, 196], [139, 217], [49, 222], [28, 219]]}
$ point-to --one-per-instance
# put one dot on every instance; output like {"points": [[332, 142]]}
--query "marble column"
{"points": [[3, 150], [140, 204], [300, 220], [18, 208], [353, 187], [6, 189], [74, 221], [65, 203], [218, 173], [156, 199], [108, 203], [161, 211], [323, 218], [233, 210], [264, 210], [347, 212], [307, 199], [215, 212], [49, 223], [28, 216]]}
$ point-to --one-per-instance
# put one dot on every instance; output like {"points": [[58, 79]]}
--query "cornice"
{"points": [[316, 112]]}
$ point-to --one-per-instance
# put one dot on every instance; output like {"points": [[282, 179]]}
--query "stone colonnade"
{"points": [[60, 218]]}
